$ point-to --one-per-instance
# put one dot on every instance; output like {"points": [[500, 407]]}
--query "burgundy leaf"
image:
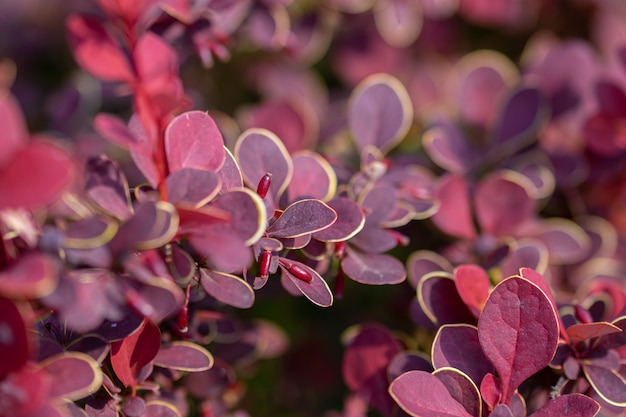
{"points": [[316, 290], [34, 275], [107, 186], [373, 269], [131, 354], [566, 241], [36, 176], [406, 361], [457, 346], [462, 389], [192, 186], [570, 405], [503, 203], [380, 112], [246, 214], [112, 331], [473, 285], [518, 331], [607, 383], [75, 375], [258, 152], [313, 177], [454, 216], [423, 262], [192, 140], [153, 225], [522, 116], [301, 218], [490, 390], [440, 301], [365, 362], [182, 266], [529, 253], [96, 51], [184, 356], [228, 289], [378, 202], [501, 410], [14, 340], [422, 394]]}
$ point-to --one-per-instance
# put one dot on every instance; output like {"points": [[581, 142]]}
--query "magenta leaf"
{"points": [[75, 375], [399, 22], [34, 275], [462, 389], [373, 269], [114, 130], [523, 114], [246, 214], [448, 147], [380, 112], [423, 262], [316, 290], [227, 288], [473, 285], [570, 405], [518, 331], [192, 186], [350, 220], [131, 354], [490, 390], [184, 356], [230, 174], [192, 140], [457, 346], [14, 340], [454, 216], [107, 186], [440, 301], [609, 384], [15, 133], [301, 218], [365, 362], [422, 394]]}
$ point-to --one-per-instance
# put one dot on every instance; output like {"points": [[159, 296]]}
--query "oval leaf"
{"points": [[316, 291], [373, 269], [75, 375], [227, 288], [301, 218], [570, 405], [13, 338], [350, 221], [184, 356], [462, 389], [131, 354]]}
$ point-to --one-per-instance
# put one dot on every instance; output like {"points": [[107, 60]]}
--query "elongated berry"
{"points": [[297, 271], [183, 319], [264, 264], [340, 249], [264, 185]]}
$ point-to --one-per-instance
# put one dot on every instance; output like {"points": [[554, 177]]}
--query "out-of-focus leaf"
{"points": [[193, 140], [158, 408], [583, 331], [373, 269], [89, 233], [350, 220], [406, 361], [440, 301], [313, 177], [153, 225], [14, 341], [457, 346], [192, 186], [422, 394], [184, 356], [461, 388], [75, 375], [501, 410], [112, 331], [227, 288], [317, 290], [15, 133], [518, 331], [114, 130], [574, 405], [567, 242], [399, 22], [454, 216], [380, 112], [34, 275], [423, 262], [131, 354], [301, 218], [473, 285], [365, 362], [448, 147], [107, 186]]}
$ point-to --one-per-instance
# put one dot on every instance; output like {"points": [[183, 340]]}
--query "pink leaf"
{"points": [[462, 389], [192, 186], [313, 177], [34, 275], [350, 220], [473, 286], [14, 133], [454, 215]]}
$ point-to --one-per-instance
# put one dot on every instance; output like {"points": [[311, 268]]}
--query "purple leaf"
{"points": [[192, 186], [607, 383], [258, 152], [457, 346], [522, 116], [107, 186], [406, 361], [518, 331], [399, 22], [192, 140], [230, 174], [89, 233], [378, 202], [153, 225], [501, 410], [184, 356], [350, 221], [422, 394], [229, 289], [365, 362], [316, 290], [160, 408], [462, 389], [566, 241], [34, 275], [14, 338], [454, 216], [448, 147], [440, 301], [313, 177], [380, 112], [570, 405], [373, 269], [301, 218], [75, 375], [423, 262]]}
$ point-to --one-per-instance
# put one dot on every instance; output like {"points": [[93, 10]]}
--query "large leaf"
{"points": [[457, 346], [422, 394], [192, 140], [131, 354], [350, 221], [301, 218], [75, 375], [184, 356], [365, 362], [227, 288], [380, 112], [14, 341], [192, 186], [316, 290], [373, 269], [570, 405], [462, 389], [518, 331]]}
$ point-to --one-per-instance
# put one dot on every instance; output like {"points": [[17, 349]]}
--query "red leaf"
{"points": [[422, 394], [134, 352], [518, 331], [454, 215], [13, 339], [583, 331], [473, 286]]}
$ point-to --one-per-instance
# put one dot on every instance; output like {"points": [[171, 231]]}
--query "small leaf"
{"points": [[184, 356], [423, 262], [518, 331], [193, 186], [301, 218], [350, 221], [75, 375], [501, 410], [131, 354], [373, 269], [227, 288], [570, 405], [193, 140], [230, 174], [454, 216], [316, 290], [607, 383], [158, 408], [380, 112], [422, 394], [473, 285]]}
